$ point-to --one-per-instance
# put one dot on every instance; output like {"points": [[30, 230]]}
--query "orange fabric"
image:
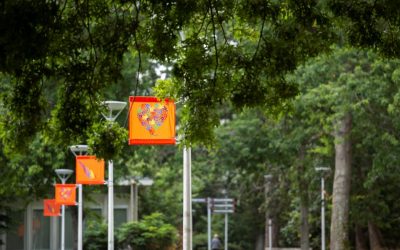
{"points": [[50, 208], [151, 121], [89, 170], [66, 194]]}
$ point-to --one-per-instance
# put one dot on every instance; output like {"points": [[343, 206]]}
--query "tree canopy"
{"points": [[60, 59]]}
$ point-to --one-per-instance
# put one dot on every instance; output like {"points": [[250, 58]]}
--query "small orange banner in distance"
{"points": [[50, 208], [89, 170], [151, 121], [66, 194]]}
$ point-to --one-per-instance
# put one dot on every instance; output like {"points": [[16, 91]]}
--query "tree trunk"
{"points": [[375, 237], [260, 242], [304, 227], [341, 185], [275, 231], [361, 240], [304, 201]]}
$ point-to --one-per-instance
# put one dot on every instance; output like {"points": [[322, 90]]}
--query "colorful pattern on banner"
{"points": [[151, 121], [89, 170], [50, 208], [66, 194]]}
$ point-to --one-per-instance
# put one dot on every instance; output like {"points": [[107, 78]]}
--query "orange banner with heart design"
{"points": [[50, 208], [151, 121], [66, 194], [89, 170]]}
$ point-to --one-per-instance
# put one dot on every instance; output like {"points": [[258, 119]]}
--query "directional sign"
{"points": [[223, 211], [217, 206], [223, 205], [215, 200], [199, 200]]}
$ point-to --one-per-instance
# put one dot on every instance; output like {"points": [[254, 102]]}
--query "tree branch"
{"points": [[221, 25], [215, 42], [260, 38]]}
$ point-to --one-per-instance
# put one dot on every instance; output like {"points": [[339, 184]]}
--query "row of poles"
{"points": [[187, 195], [64, 174], [223, 205]]}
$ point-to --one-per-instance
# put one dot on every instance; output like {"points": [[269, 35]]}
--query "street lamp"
{"points": [[187, 201], [63, 174], [112, 106], [79, 150], [322, 170], [268, 221]]}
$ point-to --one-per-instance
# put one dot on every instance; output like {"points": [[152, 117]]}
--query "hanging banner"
{"points": [[66, 194], [151, 121], [50, 208], [89, 170]]}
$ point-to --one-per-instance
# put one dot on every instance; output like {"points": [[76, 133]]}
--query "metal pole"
{"points": [[80, 215], [187, 199], [110, 205], [131, 203], [226, 231], [267, 240], [136, 205], [209, 222], [134, 202], [270, 233], [322, 213], [62, 227]]}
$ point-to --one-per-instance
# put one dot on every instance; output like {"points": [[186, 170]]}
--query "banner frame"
{"points": [[150, 99], [66, 203], [88, 182]]}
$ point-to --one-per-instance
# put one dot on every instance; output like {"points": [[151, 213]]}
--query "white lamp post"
{"points": [[322, 170], [187, 199], [80, 150], [112, 106], [268, 221], [63, 174]]}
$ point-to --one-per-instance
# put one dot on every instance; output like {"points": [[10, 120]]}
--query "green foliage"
{"points": [[150, 233], [95, 237], [76, 50], [107, 139], [371, 24], [360, 82], [59, 59]]}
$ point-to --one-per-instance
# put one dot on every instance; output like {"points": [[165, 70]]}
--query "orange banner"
{"points": [[89, 170], [50, 208], [66, 194], [151, 121]]}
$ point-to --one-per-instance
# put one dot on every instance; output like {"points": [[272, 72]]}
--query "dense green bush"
{"points": [[95, 237], [151, 233]]}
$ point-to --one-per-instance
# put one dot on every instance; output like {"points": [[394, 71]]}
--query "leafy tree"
{"points": [[357, 87], [76, 49]]}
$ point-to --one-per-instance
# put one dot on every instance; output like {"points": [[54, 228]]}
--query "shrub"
{"points": [[151, 233], [95, 237]]}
